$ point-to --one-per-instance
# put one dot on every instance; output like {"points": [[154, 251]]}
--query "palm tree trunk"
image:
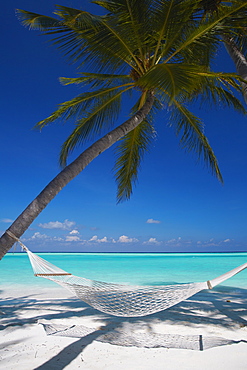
{"points": [[239, 61], [21, 224]]}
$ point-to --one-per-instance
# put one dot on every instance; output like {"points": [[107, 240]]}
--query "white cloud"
{"points": [[152, 241], [126, 239], [103, 240], [44, 237], [214, 243], [95, 239], [171, 241], [6, 220], [72, 238], [152, 221], [121, 239], [176, 242], [74, 232], [38, 235], [66, 225]]}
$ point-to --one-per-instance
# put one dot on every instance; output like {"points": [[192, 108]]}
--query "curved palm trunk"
{"points": [[239, 61], [21, 224]]}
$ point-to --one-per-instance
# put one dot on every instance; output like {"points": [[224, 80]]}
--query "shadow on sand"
{"points": [[223, 307]]}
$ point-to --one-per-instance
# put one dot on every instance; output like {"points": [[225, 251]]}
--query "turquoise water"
{"points": [[128, 268]]}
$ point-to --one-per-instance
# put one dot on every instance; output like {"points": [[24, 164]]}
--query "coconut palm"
{"points": [[157, 53], [237, 54], [234, 38]]}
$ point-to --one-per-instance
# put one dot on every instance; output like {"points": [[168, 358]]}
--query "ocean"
{"points": [[127, 268]]}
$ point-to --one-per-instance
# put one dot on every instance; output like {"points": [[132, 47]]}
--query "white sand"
{"points": [[24, 344]]}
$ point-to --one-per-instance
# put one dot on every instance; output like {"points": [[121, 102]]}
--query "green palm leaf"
{"points": [[77, 107], [159, 46], [219, 92], [97, 39], [37, 21], [172, 78], [98, 117], [209, 30], [96, 79], [81, 36], [168, 28], [130, 152], [192, 138]]}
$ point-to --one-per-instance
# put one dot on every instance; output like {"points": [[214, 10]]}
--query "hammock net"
{"points": [[122, 300]]}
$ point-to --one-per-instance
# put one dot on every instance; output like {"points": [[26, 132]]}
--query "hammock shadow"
{"points": [[208, 308]]}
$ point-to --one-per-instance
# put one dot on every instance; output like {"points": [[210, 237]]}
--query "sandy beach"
{"points": [[51, 329]]}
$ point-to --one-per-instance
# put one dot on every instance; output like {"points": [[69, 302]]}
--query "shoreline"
{"points": [[218, 317], [144, 252]]}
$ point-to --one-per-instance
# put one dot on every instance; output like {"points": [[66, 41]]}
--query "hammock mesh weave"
{"points": [[122, 300]]}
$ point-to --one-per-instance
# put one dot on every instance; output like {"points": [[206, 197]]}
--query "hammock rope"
{"points": [[118, 299]]}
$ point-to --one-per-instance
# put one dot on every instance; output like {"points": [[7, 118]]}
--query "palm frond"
{"points": [[97, 42], [96, 79], [83, 37], [172, 78], [135, 16], [132, 17], [210, 29], [162, 46], [77, 106], [190, 129], [237, 22], [37, 21], [168, 28], [97, 118], [218, 90], [130, 152]]}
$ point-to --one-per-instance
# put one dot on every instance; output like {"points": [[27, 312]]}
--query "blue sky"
{"points": [[177, 205]]}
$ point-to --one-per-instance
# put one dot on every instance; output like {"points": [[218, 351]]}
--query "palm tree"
{"points": [[157, 52], [238, 56], [234, 38]]}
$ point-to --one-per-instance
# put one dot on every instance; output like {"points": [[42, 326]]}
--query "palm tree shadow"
{"points": [[233, 309], [69, 353], [179, 314], [201, 308]]}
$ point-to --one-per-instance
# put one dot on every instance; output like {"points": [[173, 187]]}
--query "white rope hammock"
{"points": [[122, 300]]}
